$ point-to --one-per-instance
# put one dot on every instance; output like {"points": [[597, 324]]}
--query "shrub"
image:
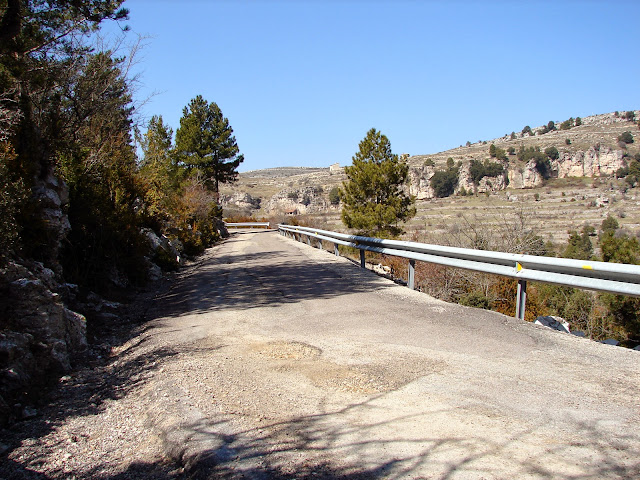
{"points": [[475, 299], [567, 124], [552, 153], [626, 137], [429, 163], [526, 130], [567, 141], [334, 196], [578, 121], [444, 182], [292, 195], [630, 115], [511, 150]]}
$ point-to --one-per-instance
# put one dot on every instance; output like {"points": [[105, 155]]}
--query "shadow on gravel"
{"points": [[265, 279], [317, 446], [83, 394]]}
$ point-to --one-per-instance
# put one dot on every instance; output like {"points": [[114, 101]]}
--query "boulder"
{"points": [[556, 323]]}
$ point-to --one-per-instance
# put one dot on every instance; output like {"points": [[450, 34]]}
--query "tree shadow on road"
{"points": [[239, 281]]}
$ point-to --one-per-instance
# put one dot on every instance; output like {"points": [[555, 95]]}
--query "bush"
{"points": [[292, 195], [626, 137], [578, 121], [567, 141], [429, 162], [527, 130], [552, 153], [567, 124], [630, 115], [444, 182], [511, 150], [334, 196], [476, 300]]}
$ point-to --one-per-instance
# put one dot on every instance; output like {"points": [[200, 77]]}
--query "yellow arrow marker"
{"points": [[518, 266], [587, 267]]}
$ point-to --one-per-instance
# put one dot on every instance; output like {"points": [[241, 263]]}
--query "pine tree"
{"points": [[205, 143], [373, 197]]}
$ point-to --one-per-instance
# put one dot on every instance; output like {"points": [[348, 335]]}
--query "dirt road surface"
{"points": [[272, 359]]}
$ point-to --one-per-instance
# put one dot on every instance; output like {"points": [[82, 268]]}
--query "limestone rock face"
{"points": [[300, 201], [52, 195], [598, 160], [241, 200], [420, 182], [39, 336], [527, 177]]}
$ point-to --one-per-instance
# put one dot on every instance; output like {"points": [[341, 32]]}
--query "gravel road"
{"points": [[272, 359]]}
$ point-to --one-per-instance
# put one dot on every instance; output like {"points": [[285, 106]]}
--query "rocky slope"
{"points": [[591, 149]]}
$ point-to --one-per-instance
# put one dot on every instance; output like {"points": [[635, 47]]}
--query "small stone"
{"points": [[29, 412], [611, 341]]}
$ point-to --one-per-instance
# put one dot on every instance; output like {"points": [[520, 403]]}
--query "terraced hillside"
{"points": [[550, 207]]}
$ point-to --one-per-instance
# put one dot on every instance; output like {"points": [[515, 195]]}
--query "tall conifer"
{"points": [[373, 196]]}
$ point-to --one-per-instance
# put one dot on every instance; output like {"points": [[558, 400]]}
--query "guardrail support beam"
{"points": [[412, 274], [363, 263], [336, 251], [521, 299]]}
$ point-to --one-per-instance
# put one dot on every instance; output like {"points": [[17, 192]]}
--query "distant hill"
{"points": [[586, 147]]}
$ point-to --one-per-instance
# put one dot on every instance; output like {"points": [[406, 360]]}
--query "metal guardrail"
{"points": [[600, 276], [248, 224]]}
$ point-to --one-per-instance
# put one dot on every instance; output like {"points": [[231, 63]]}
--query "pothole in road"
{"points": [[288, 350]]}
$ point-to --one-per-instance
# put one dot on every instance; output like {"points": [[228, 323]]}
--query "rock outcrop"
{"points": [[598, 160], [301, 201], [39, 336]]}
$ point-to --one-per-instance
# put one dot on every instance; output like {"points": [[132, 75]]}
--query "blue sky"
{"points": [[303, 81]]}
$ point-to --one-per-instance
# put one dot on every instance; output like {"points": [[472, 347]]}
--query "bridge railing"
{"points": [[247, 224], [600, 276]]}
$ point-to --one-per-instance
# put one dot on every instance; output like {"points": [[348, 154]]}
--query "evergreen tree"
{"points": [[205, 142], [158, 174], [373, 197]]}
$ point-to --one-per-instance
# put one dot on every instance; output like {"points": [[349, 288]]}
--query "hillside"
{"points": [[581, 189]]}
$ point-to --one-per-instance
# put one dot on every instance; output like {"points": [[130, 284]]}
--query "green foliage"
{"points": [[444, 182], [626, 137], [205, 143], [623, 312], [497, 152], [12, 197], [479, 170], [513, 136], [334, 196], [450, 163], [579, 245], [552, 153], [567, 124], [542, 164], [567, 141], [475, 299], [429, 163], [511, 150], [527, 130], [373, 198], [292, 195], [609, 224], [578, 121], [630, 115]]}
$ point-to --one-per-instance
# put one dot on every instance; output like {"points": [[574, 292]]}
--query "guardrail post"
{"points": [[521, 299], [309, 240], [412, 274], [320, 244], [363, 263], [336, 252]]}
